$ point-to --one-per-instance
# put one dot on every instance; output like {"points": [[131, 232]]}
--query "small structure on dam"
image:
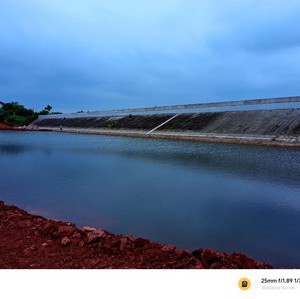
{"points": [[275, 120]]}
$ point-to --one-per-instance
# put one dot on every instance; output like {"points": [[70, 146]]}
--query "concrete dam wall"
{"points": [[284, 122], [274, 121], [240, 105]]}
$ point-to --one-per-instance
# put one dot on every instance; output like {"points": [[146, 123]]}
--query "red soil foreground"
{"points": [[33, 242]]}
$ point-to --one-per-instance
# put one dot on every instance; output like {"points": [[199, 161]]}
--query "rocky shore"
{"points": [[33, 242]]}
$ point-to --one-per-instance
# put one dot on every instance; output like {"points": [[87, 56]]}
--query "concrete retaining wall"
{"points": [[284, 122], [241, 105]]}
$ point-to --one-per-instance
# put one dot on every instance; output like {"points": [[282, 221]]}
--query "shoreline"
{"points": [[259, 140], [193, 136], [33, 242]]}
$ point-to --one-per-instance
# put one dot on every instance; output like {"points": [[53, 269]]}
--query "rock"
{"points": [[55, 221], [130, 238], [92, 263], [168, 248], [45, 244], [76, 235], [242, 261], [80, 244], [154, 245], [26, 223], [210, 256], [64, 231], [113, 242], [214, 259], [33, 248], [140, 242], [198, 265], [65, 241], [27, 251], [1, 205], [198, 253], [49, 242], [86, 229], [232, 266], [182, 254], [123, 243], [47, 229], [95, 235]]}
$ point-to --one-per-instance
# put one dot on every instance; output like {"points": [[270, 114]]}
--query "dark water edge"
{"points": [[221, 196]]}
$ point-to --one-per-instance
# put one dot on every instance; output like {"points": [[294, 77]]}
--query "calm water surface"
{"points": [[226, 197]]}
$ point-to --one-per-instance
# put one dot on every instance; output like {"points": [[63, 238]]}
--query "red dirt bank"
{"points": [[28, 241], [6, 127]]}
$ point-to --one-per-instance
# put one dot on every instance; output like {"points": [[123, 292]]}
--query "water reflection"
{"points": [[256, 162], [13, 149], [228, 197]]}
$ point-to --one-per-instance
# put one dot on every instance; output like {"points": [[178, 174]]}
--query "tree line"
{"points": [[16, 114]]}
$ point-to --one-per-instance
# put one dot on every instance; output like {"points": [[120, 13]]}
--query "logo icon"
{"points": [[244, 284]]}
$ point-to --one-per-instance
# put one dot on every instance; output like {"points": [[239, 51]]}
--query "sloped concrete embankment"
{"points": [[277, 126]]}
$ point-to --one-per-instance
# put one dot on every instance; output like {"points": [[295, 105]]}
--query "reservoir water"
{"points": [[232, 198]]}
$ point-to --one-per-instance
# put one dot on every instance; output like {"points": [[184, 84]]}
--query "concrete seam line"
{"points": [[161, 124]]}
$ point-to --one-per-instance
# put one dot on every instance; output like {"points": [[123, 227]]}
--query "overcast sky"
{"points": [[93, 55]]}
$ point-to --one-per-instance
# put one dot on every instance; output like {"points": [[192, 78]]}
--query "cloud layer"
{"points": [[93, 55]]}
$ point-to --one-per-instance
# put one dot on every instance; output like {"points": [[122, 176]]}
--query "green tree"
{"points": [[48, 108], [15, 114]]}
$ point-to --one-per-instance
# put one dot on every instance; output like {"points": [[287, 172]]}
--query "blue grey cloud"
{"points": [[90, 55]]}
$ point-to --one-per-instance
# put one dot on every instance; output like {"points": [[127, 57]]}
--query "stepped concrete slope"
{"points": [[269, 126]]}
